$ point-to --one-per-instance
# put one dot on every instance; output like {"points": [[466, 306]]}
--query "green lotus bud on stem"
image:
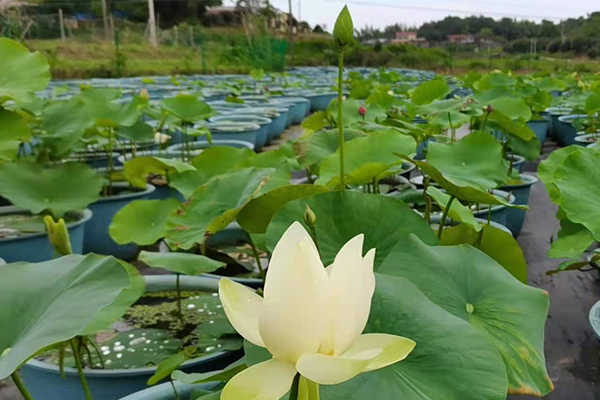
{"points": [[309, 217], [58, 235], [343, 31]]}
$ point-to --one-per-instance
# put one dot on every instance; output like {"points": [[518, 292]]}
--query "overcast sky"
{"points": [[380, 13]]}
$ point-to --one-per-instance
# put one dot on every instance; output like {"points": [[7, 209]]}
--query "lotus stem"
{"points": [[263, 274], [178, 288], [426, 181], [84, 382], [21, 386], [294, 392], [340, 123], [110, 161], [444, 216], [175, 391]]}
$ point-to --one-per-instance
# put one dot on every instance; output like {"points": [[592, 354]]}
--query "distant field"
{"points": [[228, 51]]}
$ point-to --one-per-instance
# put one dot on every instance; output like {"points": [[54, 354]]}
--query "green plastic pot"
{"points": [[553, 113], [44, 382]]}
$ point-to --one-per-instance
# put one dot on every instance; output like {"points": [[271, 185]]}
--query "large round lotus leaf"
{"points": [[217, 160], [214, 205], [143, 222], [13, 131], [573, 239], [366, 157], [64, 124], [476, 160], [59, 189], [343, 215], [517, 129], [314, 148], [578, 182], [258, 213], [470, 285], [496, 243], [450, 361], [466, 193], [52, 302], [187, 107], [138, 132], [23, 72], [512, 107], [181, 263], [549, 166], [429, 91]]}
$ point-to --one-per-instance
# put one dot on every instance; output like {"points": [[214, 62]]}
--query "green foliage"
{"points": [[57, 189]]}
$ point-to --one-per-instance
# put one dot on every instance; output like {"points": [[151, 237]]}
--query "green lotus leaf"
{"points": [[317, 121], [499, 245], [102, 109], [314, 148], [476, 160], [215, 376], [512, 107], [64, 124], [343, 215], [530, 149], [217, 160], [457, 211], [258, 213], [547, 169], [58, 189], [429, 91], [517, 129], [23, 72], [143, 222], [109, 314], [472, 286], [578, 182], [138, 132], [366, 157], [485, 97], [181, 263], [466, 193], [187, 108], [573, 240], [138, 169], [14, 130], [214, 205], [450, 360], [441, 106], [450, 120], [592, 104], [64, 305]]}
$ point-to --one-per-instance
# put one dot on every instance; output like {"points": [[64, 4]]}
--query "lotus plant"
{"points": [[311, 320]]}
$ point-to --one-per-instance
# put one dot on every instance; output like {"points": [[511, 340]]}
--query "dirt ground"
{"points": [[572, 351]]}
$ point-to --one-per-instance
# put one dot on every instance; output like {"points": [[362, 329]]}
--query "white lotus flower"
{"points": [[161, 138], [310, 319]]}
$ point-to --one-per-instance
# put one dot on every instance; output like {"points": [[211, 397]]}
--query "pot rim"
{"points": [[531, 180], [149, 189], [155, 283], [84, 216]]}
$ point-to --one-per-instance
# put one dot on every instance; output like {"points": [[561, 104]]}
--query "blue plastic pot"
{"points": [[196, 148], [291, 107], [320, 101], [518, 162], [94, 159], [553, 114], [515, 218], [437, 218], [566, 132], [97, 239], [587, 139], [278, 117], [499, 213], [44, 382], [540, 128], [265, 126], [36, 247], [298, 109], [240, 131], [165, 392]]}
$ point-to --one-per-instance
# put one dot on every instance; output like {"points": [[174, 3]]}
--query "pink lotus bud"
{"points": [[362, 111]]}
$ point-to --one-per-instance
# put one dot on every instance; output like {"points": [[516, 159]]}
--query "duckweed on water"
{"points": [[151, 331]]}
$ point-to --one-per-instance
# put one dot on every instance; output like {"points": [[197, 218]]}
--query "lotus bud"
{"points": [[58, 235], [362, 111], [144, 94], [309, 217], [489, 109]]}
